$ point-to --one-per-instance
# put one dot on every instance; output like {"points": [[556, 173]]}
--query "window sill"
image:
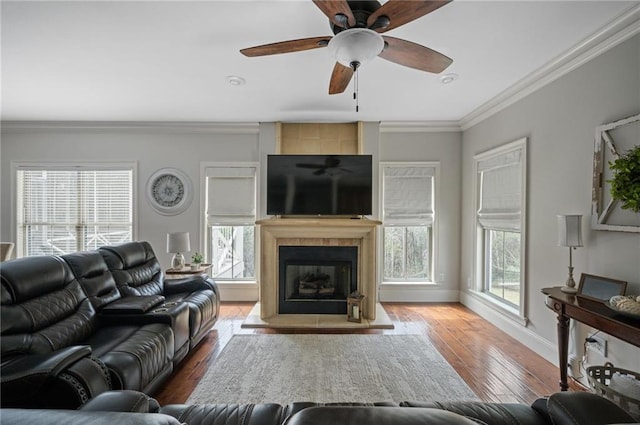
{"points": [[508, 312]]}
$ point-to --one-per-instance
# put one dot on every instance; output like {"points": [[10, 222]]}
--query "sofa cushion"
{"points": [[94, 276], [134, 355], [378, 415], [43, 307], [227, 414], [135, 268]]}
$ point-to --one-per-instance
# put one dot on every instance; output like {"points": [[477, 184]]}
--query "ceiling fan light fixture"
{"points": [[358, 45]]}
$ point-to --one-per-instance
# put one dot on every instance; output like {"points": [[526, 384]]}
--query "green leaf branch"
{"points": [[625, 184]]}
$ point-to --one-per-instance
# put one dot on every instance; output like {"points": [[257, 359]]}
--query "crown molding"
{"points": [[619, 30], [419, 127], [157, 126]]}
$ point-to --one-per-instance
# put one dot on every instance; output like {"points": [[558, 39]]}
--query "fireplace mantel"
{"points": [[317, 232]]}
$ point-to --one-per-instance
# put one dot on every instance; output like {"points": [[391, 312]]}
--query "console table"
{"points": [[591, 313]]}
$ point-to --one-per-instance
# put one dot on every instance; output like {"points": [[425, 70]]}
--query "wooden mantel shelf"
{"points": [[318, 221]]}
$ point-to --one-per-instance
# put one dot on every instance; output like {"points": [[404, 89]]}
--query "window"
{"points": [[408, 217], [500, 214], [67, 209], [230, 221]]}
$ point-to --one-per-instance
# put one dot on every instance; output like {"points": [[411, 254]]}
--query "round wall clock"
{"points": [[169, 191]]}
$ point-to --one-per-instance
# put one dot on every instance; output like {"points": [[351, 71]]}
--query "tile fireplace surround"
{"points": [[361, 233]]}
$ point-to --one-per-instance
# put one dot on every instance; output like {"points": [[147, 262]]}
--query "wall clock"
{"points": [[169, 191]]}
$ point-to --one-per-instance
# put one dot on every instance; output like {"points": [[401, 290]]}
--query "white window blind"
{"points": [[231, 195], [408, 195], [67, 210], [500, 202]]}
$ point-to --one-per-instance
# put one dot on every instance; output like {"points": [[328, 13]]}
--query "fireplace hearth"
{"points": [[316, 279]]}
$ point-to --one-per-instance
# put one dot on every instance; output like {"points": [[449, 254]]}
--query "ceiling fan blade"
{"points": [[400, 12], [331, 8], [290, 46], [414, 55], [340, 78]]}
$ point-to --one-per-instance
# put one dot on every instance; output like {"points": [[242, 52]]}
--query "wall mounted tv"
{"points": [[319, 185]]}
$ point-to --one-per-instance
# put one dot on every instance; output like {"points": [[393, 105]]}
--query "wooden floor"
{"points": [[493, 364]]}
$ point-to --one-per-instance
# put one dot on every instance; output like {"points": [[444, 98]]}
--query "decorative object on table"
{"points": [[169, 191], [616, 176], [570, 235], [354, 307], [196, 261], [177, 243], [625, 184], [600, 288], [618, 385], [627, 305]]}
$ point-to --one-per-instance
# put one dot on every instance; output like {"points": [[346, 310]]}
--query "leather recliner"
{"points": [[55, 350], [137, 272]]}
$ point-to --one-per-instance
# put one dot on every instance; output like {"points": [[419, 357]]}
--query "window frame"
{"points": [[480, 273], [70, 166], [433, 233], [205, 227]]}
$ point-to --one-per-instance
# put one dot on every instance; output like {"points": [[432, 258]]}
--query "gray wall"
{"points": [[153, 148], [559, 121]]}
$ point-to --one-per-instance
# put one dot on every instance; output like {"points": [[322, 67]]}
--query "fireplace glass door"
{"points": [[316, 279]]}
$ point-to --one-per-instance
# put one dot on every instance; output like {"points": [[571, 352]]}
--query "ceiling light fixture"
{"points": [[234, 80], [448, 78], [353, 47]]}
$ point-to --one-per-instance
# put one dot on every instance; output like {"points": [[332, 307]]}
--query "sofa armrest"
{"points": [[133, 305], [122, 401], [43, 366], [65, 378], [577, 408], [189, 284]]}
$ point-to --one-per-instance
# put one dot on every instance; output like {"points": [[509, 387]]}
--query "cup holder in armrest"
{"points": [[160, 310], [169, 304]]}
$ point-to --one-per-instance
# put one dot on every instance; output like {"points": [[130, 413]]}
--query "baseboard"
{"points": [[238, 291], [416, 293], [524, 335]]}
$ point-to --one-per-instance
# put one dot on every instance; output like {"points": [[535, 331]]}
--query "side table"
{"points": [[187, 272]]}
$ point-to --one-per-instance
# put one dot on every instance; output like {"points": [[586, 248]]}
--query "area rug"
{"points": [[329, 368]]}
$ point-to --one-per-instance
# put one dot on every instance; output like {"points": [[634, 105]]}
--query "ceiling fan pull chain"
{"points": [[355, 89]]}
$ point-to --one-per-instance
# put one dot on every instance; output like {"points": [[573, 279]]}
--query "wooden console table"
{"points": [[591, 313]]}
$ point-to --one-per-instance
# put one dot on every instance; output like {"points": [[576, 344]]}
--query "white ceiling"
{"points": [[167, 60]]}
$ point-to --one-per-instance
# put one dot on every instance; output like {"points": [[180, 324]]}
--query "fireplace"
{"points": [[316, 279], [359, 234]]}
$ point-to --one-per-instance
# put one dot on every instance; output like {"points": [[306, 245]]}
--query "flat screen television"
{"points": [[319, 185]]}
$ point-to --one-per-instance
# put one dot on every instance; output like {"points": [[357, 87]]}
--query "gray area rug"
{"points": [[329, 368]]}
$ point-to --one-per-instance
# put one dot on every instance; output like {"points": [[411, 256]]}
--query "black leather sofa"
{"points": [[70, 332], [128, 407]]}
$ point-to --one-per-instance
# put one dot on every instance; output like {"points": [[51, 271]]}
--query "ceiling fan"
{"points": [[357, 26]]}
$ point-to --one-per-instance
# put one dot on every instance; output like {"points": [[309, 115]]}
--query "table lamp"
{"points": [[570, 235], [177, 243]]}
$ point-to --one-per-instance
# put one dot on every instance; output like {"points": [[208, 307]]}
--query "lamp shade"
{"points": [[570, 230], [178, 242], [355, 45]]}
